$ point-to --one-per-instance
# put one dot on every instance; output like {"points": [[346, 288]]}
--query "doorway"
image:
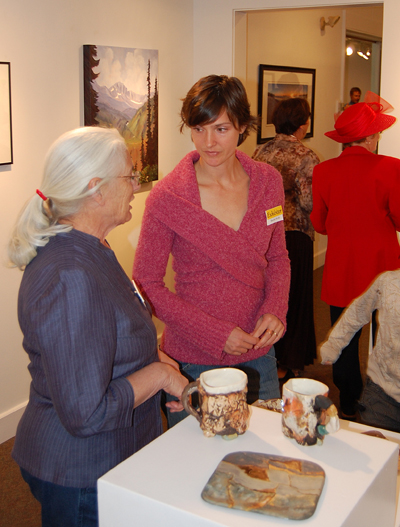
{"points": [[362, 63], [294, 38]]}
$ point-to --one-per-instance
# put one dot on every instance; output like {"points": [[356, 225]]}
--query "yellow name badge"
{"points": [[274, 215]]}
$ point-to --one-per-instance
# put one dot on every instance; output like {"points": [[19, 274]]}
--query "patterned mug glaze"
{"points": [[307, 413], [223, 407]]}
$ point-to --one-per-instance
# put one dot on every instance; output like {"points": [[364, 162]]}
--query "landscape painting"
{"points": [[277, 83], [121, 91]]}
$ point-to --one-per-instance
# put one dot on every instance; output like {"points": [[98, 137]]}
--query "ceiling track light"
{"points": [[363, 55], [363, 49]]}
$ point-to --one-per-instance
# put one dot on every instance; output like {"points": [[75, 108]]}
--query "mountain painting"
{"points": [[121, 91]]}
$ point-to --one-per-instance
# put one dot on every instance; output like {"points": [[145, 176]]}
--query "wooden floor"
{"points": [[19, 509]]}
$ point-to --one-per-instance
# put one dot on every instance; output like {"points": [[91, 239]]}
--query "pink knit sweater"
{"points": [[224, 278]]}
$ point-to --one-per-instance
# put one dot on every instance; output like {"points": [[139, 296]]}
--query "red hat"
{"points": [[362, 119]]}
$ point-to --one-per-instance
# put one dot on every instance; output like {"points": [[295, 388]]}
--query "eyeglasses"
{"points": [[135, 178]]}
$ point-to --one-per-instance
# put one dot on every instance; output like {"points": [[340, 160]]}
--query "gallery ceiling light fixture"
{"points": [[362, 48], [332, 21], [363, 55]]}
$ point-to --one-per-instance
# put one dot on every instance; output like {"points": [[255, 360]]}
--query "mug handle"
{"points": [[322, 402], [185, 398], [333, 425]]}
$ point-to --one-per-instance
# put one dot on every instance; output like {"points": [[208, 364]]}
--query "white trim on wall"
{"points": [[9, 421]]}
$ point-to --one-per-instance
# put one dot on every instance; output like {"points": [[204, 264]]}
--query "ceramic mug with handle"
{"points": [[307, 412], [223, 408]]}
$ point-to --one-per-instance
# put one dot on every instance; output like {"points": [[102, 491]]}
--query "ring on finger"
{"points": [[270, 331]]}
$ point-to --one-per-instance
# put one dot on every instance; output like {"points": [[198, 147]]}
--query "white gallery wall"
{"points": [[43, 41]]}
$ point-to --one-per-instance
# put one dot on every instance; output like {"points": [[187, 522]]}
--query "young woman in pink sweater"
{"points": [[219, 214]]}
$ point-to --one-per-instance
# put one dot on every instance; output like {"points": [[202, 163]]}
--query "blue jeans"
{"points": [[262, 376], [64, 506]]}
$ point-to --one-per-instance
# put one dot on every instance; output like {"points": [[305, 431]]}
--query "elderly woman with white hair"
{"points": [[96, 373]]}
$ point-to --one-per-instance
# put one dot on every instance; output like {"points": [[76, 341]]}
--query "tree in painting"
{"points": [[90, 62]]}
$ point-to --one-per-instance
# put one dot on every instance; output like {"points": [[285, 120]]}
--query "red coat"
{"points": [[356, 202]]}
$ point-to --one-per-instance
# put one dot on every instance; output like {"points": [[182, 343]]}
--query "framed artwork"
{"points": [[276, 83], [121, 91], [6, 151]]}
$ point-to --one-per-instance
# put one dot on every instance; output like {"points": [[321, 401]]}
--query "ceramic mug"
{"points": [[222, 407], [307, 413]]}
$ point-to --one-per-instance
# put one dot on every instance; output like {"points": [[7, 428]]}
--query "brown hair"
{"points": [[290, 114], [354, 90], [210, 96]]}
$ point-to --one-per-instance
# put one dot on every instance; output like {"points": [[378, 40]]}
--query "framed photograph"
{"points": [[6, 151], [276, 83], [121, 91]]}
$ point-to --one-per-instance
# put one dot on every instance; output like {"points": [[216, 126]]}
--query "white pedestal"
{"points": [[162, 483]]}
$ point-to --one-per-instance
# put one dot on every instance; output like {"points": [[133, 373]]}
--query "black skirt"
{"points": [[298, 348]]}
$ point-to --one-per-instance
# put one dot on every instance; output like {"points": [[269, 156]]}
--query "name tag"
{"points": [[274, 215]]}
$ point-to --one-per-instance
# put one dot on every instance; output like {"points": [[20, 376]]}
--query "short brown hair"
{"points": [[210, 96], [354, 90], [290, 114]]}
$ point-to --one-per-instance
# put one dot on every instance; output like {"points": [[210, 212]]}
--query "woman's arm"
{"points": [[320, 209], [277, 279], [394, 197], [356, 315], [71, 336], [304, 180], [157, 376]]}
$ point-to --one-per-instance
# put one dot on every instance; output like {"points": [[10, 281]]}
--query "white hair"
{"points": [[72, 161]]}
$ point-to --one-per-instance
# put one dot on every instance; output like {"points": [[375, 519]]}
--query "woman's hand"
{"points": [[329, 353], [269, 329], [174, 406], [175, 386], [155, 377], [240, 342]]}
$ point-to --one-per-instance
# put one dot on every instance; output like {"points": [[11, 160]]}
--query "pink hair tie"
{"points": [[41, 195]]}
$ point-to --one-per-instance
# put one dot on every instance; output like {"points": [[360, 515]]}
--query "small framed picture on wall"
{"points": [[6, 151], [276, 83]]}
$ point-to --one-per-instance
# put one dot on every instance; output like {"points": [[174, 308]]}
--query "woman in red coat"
{"points": [[356, 202]]}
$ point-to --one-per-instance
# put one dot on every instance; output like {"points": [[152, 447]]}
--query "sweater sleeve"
{"points": [[320, 209], [304, 180], [277, 276], [356, 316], [394, 199], [200, 328]]}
